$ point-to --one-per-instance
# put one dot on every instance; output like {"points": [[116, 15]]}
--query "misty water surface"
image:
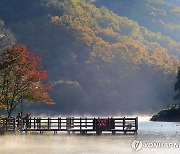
{"points": [[92, 144]]}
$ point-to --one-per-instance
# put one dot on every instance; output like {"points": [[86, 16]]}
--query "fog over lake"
{"points": [[163, 132]]}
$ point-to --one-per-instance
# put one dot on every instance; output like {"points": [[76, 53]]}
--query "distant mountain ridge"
{"points": [[95, 58]]}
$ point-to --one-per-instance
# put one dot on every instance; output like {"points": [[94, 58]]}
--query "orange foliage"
{"points": [[23, 72]]}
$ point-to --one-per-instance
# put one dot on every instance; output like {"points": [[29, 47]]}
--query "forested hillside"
{"points": [[98, 61], [156, 15]]}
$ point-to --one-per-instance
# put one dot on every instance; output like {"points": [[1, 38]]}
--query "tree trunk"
{"points": [[9, 114]]}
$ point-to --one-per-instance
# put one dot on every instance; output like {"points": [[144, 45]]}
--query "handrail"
{"points": [[81, 124]]}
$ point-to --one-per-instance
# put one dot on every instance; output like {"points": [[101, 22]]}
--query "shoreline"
{"points": [[167, 115]]}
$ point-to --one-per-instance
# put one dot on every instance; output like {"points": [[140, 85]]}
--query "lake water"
{"points": [[152, 137]]}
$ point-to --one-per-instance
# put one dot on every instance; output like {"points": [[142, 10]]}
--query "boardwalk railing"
{"points": [[7, 124], [72, 124]]}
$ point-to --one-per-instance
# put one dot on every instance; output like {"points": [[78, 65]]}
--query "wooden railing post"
{"points": [[48, 123], [72, 122], [86, 122], [60, 123], [70, 119], [80, 124], [30, 122], [123, 123], [34, 123], [136, 124], [94, 123], [14, 124], [39, 123]]}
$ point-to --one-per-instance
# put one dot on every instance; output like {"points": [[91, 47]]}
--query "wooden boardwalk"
{"points": [[72, 125]]}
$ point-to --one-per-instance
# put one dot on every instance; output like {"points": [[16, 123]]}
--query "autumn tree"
{"points": [[21, 76]]}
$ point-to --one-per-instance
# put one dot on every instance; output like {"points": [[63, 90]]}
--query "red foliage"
{"points": [[27, 74]]}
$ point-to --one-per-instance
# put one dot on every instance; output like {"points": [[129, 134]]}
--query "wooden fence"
{"points": [[72, 124]]}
